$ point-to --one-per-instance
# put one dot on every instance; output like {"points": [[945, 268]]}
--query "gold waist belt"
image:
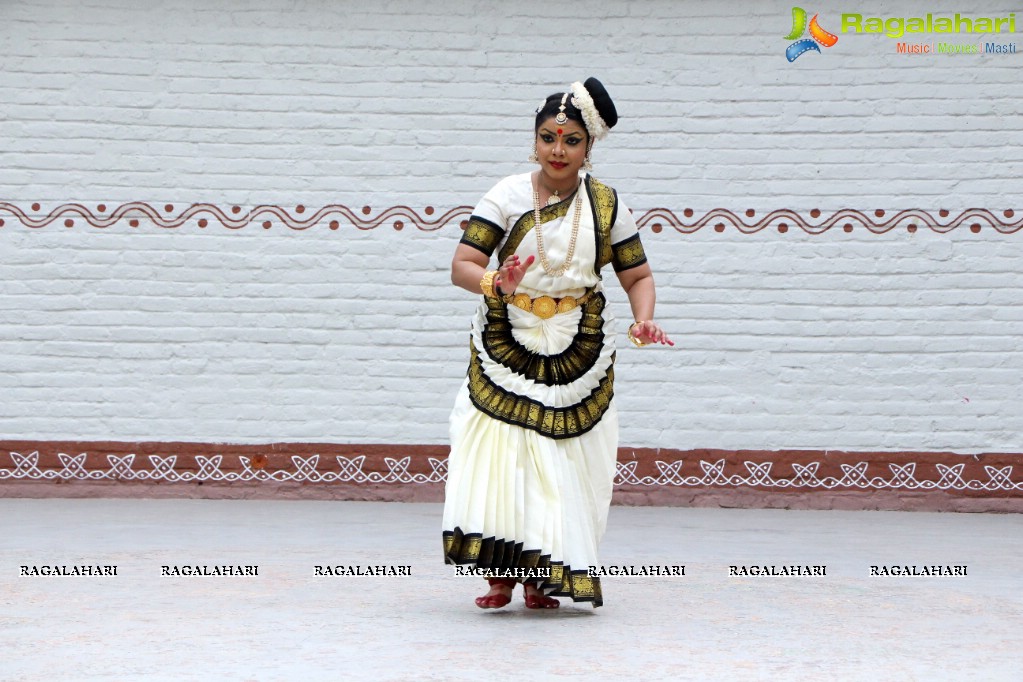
{"points": [[545, 307]]}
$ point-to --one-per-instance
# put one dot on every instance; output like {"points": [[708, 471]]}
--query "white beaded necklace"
{"points": [[541, 252]]}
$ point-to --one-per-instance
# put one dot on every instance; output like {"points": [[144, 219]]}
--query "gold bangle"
{"points": [[635, 341], [487, 284]]}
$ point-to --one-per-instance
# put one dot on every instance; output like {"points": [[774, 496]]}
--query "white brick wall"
{"points": [[839, 340]]}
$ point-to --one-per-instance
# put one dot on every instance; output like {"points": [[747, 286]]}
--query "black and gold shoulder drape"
{"points": [[485, 235], [627, 253], [527, 221]]}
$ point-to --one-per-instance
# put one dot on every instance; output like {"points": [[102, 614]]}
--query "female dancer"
{"points": [[534, 430]]}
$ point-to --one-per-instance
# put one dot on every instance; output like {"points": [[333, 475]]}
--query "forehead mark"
{"points": [[561, 131]]}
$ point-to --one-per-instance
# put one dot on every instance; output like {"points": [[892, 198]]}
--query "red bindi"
{"points": [[560, 131]]}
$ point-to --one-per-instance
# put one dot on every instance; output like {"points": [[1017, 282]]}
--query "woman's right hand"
{"points": [[511, 273]]}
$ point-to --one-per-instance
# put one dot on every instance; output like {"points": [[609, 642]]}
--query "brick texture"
{"points": [[860, 340]]}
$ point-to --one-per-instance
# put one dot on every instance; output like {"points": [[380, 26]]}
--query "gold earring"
{"points": [[533, 158]]}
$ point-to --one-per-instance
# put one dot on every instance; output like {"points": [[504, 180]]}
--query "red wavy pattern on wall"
{"points": [[267, 216]]}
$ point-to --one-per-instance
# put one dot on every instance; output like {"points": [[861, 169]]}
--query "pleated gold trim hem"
{"points": [[508, 556]]}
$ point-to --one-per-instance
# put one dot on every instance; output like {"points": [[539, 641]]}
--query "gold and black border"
{"points": [[628, 253], [553, 422], [604, 204], [527, 221], [482, 234], [462, 548], [565, 367]]}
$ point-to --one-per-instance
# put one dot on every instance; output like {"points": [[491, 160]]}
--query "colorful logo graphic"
{"points": [[817, 35]]}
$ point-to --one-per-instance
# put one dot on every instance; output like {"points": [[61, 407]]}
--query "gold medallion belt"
{"points": [[546, 307]]}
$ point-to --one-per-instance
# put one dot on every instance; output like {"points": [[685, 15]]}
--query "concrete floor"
{"points": [[288, 624]]}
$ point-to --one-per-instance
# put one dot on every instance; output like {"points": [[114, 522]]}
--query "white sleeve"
{"points": [[488, 221]]}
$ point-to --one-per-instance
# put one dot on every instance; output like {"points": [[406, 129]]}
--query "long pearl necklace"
{"points": [[563, 268]]}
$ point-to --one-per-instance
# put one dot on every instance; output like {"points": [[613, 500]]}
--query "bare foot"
{"points": [[535, 599], [498, 596]]}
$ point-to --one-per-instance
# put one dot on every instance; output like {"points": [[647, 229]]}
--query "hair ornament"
{"points": [[562, 118], [582, 101]]}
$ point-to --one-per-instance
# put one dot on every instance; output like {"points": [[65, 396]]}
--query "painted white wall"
{"points": [[894, 341]]}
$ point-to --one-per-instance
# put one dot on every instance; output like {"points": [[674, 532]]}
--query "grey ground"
{"points": [[287, 624]]}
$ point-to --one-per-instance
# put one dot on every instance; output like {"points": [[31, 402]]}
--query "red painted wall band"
{"points": [[983, 475], [267, 216]]}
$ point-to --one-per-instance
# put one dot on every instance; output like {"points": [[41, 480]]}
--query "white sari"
{"points": [[534, 429]]}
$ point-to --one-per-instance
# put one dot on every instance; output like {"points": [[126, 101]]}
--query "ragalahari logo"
{"points": [[817, 35]]}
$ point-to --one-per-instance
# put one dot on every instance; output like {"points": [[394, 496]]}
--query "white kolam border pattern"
{"points": [[122, 468]]}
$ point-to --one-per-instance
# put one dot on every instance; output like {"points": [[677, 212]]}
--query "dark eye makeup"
{"points": [[569, 139]]}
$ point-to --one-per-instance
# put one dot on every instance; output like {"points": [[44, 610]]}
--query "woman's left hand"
{"points": [[650, 332]]}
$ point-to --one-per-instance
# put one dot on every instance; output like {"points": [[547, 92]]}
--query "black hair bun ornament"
{"points": [[596, 106], [605, 105]]}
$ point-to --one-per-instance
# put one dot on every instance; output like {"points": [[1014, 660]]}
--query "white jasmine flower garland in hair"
{"points": [[582, 101]]}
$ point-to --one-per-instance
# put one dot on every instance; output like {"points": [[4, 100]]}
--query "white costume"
{"points": [[534, 430]]}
